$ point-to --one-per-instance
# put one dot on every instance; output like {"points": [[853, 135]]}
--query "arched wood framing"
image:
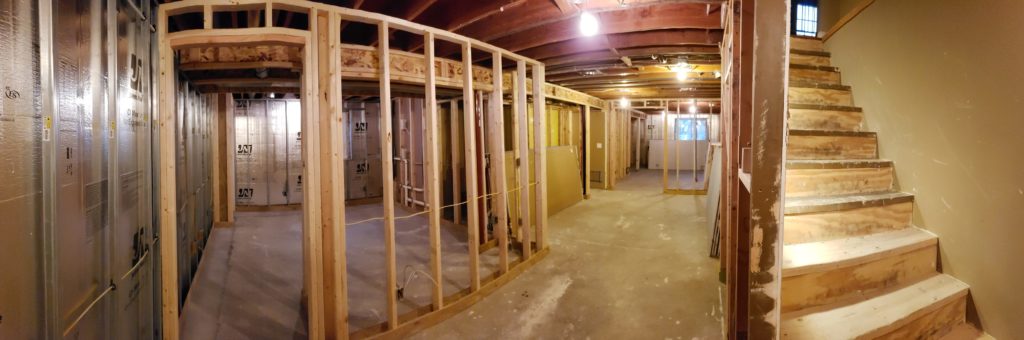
{"points": [[323, 209]]}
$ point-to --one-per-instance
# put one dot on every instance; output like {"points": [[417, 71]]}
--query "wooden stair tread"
{"points": [[965, 331], [812, 257], [803, 164], [810, 52], [796, 132], [825, 107], [813, 85], [876, 316], [833, 203], [824, 68]]}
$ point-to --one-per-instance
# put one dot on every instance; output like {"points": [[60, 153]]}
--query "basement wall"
{"points": [[940, 83]]}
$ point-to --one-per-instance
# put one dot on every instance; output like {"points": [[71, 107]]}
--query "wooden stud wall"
{"points": [[324, 257], [754, 107]]}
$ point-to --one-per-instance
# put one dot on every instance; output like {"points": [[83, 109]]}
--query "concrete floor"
{"points": [[625, 263], [249, 283], [629, 263]]}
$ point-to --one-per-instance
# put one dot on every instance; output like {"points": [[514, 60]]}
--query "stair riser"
{"points": [[831, 147], [934, 324], [832, 225], [837, 182], [806, 44], [805, 95], [802, 119], [806, 59], [857, 282], [815, 76]]}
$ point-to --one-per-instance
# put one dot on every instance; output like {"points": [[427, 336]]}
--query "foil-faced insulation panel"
{"points": [[21, 295], [268, 152], [363, 168], [80, 230]]}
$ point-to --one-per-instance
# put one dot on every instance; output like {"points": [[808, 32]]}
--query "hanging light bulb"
{"points": [[693, 109], [588, 24], [623, 102], [682, 71]]}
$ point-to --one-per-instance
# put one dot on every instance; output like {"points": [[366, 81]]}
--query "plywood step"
{"points": [[814, 73], [815, 219], [966, 332], [855, 268], [806, 43], [818, 58], [813, 257], [810, 178], [825, 117], [823, 145], [821, 94], [927, 309]]}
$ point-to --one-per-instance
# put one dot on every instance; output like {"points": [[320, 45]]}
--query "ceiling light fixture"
{"points": [[588, 24], [681, 70], [623, 102], [693, 109]]}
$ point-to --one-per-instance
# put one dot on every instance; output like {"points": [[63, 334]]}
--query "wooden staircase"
{"points": [[854, 267]]}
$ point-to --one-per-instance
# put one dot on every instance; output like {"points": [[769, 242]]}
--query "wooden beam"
{"points": [[540, 152], [473, 221], [523, 161], [565, 6], [230, 164], [497, 144], [771, 61], [640, 56], [332, 172], [631, 40], [249, 82], [384, 50], [167, 174], [432, 165], [860, 7], [311, 209], [245, 65], [456, 148], [630, 19], [453, 16], [587, 139]]}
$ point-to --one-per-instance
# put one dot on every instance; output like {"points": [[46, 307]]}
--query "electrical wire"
{"points": [[426, 211]]}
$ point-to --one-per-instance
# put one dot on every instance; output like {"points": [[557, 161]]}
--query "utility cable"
{"points": [[426, 211]]}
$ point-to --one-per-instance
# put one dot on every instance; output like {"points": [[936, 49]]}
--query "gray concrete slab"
{"points": [[629, 263], [626, 263]]}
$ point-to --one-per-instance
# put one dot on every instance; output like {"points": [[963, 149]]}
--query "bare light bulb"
{"points": [[693, 109], [588, 24], [623, 102]]}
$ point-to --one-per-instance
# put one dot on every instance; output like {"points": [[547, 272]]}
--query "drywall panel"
{"points": [[681, 150], [21, 294], [564, 189], [941, 85]]}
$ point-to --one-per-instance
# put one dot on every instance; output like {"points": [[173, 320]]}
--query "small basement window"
{"points": [[692, 128], [806, 20]]}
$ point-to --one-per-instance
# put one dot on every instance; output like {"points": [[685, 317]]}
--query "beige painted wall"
{"points": [[940, 81]]}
